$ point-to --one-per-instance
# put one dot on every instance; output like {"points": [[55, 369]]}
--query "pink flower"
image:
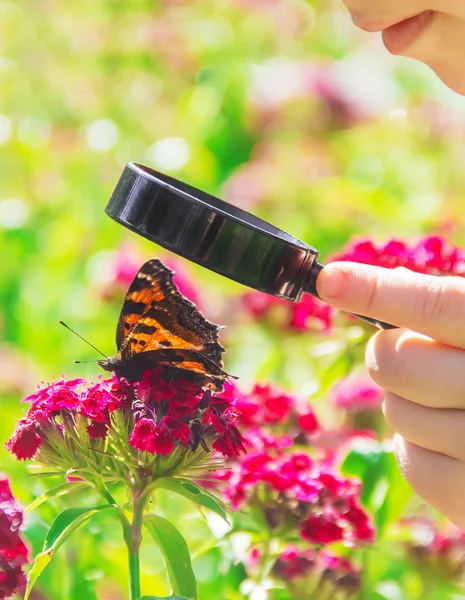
{"points": [[308, 422], [124, 267], [431, 254], [58, 396], [267, 404], [144, 435], [293, 563], [126, 262], [309, 313], [97, 430], [175, 428], [25, 440], [159, 438], [321, 530], [357, 393], [276, 406], [96, 403], [429, 547], [298, 563], [12, 580], [230, 441], [323, 505], [13, 551], [337, 563]]}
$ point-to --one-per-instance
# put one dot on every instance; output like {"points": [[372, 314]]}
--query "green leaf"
{"points": [[59, 490], [176, 554], [369, 466], [164, 598], [61, 529], [194, 493], [385, 491]]}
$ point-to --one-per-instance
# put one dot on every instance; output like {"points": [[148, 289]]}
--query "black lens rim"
{"points": [[211, 232]]}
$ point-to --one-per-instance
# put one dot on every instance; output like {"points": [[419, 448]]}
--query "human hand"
{"points": [[431, 31], [422, 368]]}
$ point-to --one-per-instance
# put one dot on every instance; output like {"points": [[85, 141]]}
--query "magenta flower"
{"points": [[309, 313], [431, 254], [323, 505], [97, 430], [321, 530], [60, 395], [159, 438], [308, 422], [13, 551], [25, 440], [268, 405], [429, 547], [308, 569], [144, 436], [67, 420], [293, 563]]}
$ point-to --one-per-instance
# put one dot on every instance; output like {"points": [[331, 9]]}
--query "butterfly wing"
{"points": [[177, 320], [159, 326], [150, 285]]}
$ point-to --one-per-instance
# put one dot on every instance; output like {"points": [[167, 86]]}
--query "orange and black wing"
{"points": [[151, 343], [171, 318], [150, 285]]}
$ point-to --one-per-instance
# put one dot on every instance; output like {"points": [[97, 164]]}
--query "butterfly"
{"points": [[158, 326]]}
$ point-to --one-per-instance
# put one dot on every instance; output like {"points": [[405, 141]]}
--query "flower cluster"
{"points": [[431, 255], [70, 421], [319, 570], [268, 405], [13, 551], [297, 492], [309, 313], [431, 549]]}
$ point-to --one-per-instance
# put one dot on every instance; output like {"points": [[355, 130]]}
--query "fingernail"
{"points": [[331, 282]]}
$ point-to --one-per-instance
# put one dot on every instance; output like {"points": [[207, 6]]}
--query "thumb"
{"points": [[433, 306]]}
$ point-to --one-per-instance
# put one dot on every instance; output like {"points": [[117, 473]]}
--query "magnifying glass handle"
{"points": [[311, 289]]}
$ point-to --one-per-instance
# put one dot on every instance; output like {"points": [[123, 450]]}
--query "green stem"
{"points": [[266, 561], [132, 537], [134, 569]]}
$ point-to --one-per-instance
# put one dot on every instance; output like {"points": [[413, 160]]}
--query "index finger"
{"points": [[433, 306]]}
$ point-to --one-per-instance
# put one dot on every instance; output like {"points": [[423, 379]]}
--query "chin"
{"points": [[454, 81]]}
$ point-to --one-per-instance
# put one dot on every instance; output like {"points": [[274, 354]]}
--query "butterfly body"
{"points": [[158, 326]]}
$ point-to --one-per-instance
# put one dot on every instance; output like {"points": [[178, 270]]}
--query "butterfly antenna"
{"points": [[83, 339], [84, 362]]}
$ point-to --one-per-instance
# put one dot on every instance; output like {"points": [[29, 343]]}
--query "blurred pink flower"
{"points": [[309, 313], [126, 262], [13, 551], [269, 406], [296, 564], [428, 546], [357, 393], [431, 254]]}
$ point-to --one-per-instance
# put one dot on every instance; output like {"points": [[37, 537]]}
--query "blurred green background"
{"points": [[279, 106]]}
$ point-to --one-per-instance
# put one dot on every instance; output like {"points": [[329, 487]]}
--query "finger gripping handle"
{"points": [[310, 288]]}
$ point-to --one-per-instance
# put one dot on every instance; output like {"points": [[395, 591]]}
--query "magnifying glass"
{"points": [[216, 235]]}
